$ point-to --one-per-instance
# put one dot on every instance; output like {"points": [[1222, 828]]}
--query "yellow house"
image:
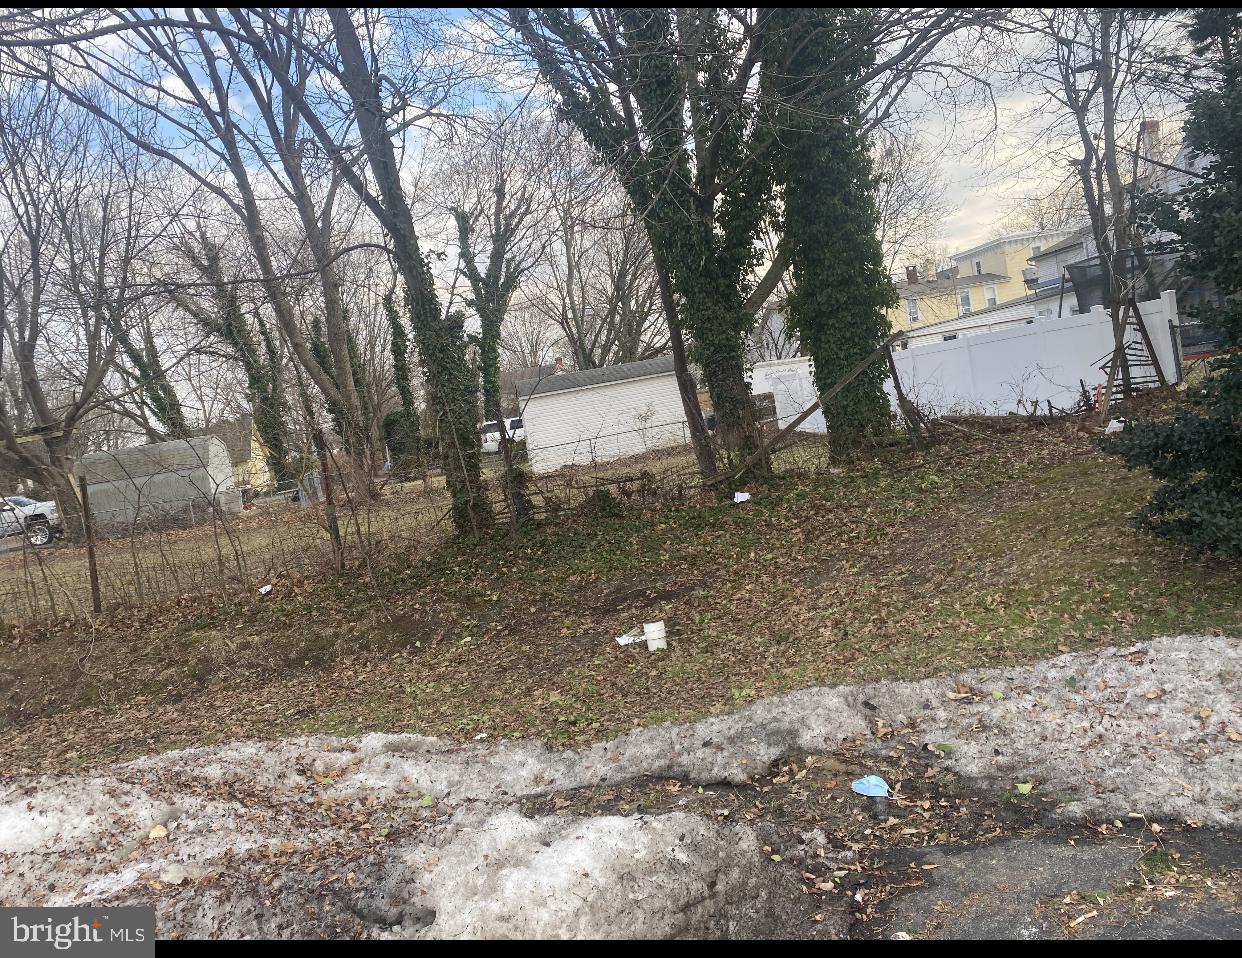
{"points": [[247, 451], [986, 275]]}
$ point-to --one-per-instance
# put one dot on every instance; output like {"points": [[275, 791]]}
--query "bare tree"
{"points": [[1049, 211], [72, 232], [910, 195], [492, 192], [172, 87], [529, 340], [1104, 69], [598, 282]]}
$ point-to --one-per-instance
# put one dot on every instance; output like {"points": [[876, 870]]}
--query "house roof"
{"points": [[509, 378], [1068, 243], [928, 287], [236, 434], [1011, 238], [581, 378]]}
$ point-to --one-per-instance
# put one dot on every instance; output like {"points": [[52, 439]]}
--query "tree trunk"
{"points": [[719, 315], [60, 476], [1116, 193], [441, 345], [703, 452]]}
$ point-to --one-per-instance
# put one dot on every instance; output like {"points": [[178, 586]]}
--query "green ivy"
{"points": [[259, 358], [830, 219], [401, 428], [453, 392], [703, 222]]}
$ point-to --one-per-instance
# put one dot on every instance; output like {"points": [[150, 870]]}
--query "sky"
{"points": [[996, 150]]}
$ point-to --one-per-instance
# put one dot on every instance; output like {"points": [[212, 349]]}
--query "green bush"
{"points": [[1197, 456]]}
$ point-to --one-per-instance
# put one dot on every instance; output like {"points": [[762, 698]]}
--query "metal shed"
{"points": [[181, 482]]}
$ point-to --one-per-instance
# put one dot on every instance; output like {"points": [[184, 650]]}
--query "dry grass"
{"points": [[982, 550], [233, 555]]}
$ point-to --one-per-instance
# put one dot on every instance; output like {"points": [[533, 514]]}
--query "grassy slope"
{"points": [[981, 551]]}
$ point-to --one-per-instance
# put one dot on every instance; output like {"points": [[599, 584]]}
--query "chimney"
{"points": [[912, 275], [560, 366], [1149, 138]]}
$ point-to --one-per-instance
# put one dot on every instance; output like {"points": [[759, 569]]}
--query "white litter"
{"points": [[652, 632], [1115, 426], [264, 589], [741, 496], [480, 736]]}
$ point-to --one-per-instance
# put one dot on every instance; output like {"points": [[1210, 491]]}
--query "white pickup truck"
{"points": [[38, 521]]}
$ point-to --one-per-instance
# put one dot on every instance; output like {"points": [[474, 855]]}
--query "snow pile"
{"points": [[408, 836]]}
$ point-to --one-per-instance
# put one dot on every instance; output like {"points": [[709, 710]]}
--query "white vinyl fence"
{"points": [[1019, 368], [992, 371], [791, 383]]}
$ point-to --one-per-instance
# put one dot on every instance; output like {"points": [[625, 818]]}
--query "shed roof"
{"points": [[581, 378], [136, 462]]}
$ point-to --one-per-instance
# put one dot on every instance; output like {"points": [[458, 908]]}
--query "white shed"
{"points": [[593, 415]]}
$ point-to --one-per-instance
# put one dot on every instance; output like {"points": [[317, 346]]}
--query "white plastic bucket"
{"points": [[654, 633]]}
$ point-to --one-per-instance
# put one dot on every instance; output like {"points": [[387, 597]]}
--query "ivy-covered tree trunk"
{"points": [[831, 227], [270, 406], [718, 320], [405, 429], [491, 290], [157, 391], [841, 290], [224, 321], [451, 385], [675, 125], [686, 386]]}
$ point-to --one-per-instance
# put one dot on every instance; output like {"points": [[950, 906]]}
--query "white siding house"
{"points": [[594, 415]]}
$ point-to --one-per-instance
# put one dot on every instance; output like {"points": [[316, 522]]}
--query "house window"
{"points": [[912, 309], [989, 293], [963, 299], [978, 267]]}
